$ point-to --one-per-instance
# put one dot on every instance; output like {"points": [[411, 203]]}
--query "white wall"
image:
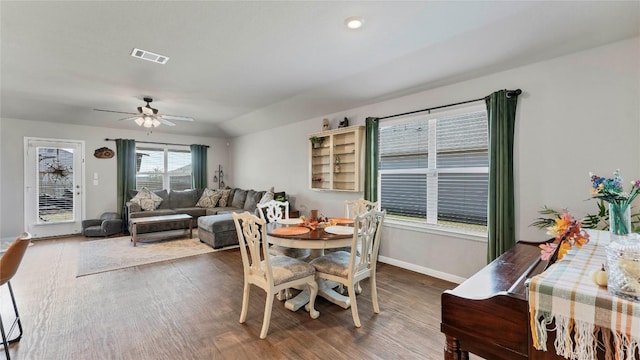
{"points": [[578, 113], [98, 198]]}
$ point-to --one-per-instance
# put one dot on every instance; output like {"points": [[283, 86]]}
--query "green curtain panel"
{"points": [[501, 112], [126, 155], [371, 160], [199, 166]]}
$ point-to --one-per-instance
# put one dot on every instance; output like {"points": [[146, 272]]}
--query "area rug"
{"points": [[98, 256]]}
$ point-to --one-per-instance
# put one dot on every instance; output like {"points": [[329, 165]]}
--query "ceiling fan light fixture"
{"points": [[354, 22], [148, 122], [139, 121], [155, 122]]}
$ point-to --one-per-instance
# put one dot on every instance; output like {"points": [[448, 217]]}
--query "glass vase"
{"points": [[623, 266], [619, 219]]}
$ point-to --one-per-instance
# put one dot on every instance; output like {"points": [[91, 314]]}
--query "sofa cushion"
{"points": [[253, 198], [193, 211], [183, 198], [239, 197], [221, 210], [217, 223], [209, 198], [151, 213], [146, 199], [224, 198]]}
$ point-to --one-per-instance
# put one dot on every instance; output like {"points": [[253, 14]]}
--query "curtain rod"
{"points": [[153, 142], [510, 93]]}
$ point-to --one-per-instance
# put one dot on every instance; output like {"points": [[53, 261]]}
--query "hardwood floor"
{"points": [[189, 309]]}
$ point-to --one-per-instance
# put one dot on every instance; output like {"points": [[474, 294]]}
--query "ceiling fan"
{"points": [[148, 117]]}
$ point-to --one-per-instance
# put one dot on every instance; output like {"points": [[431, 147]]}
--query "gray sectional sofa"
{"points": [[215, 225]]}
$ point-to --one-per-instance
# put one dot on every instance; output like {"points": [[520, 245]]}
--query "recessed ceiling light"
{"points": [[354, 22]]}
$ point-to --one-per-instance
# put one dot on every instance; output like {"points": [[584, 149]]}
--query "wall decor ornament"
{"points": [[104, 153]]}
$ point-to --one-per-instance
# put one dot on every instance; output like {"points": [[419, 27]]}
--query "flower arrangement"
{"points": [[611, 191], [567, 233]]}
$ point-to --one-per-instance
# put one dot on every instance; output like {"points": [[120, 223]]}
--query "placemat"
{"points": [[291, 230], [342, 221]]}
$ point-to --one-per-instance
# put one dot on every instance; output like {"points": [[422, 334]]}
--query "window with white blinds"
{"points": [[163, 168], [434, 168]]}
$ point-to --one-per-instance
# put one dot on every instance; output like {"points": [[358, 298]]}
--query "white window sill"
{"points": [[480, 236]]}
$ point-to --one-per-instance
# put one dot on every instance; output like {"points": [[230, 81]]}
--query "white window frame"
{"points": [[430, 225], [165, 173]]}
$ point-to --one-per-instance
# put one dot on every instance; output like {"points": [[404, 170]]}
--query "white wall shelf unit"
{"points": [[335, 164]]}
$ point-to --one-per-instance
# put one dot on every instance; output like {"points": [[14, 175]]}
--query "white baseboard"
{"points": [[422, 270]]}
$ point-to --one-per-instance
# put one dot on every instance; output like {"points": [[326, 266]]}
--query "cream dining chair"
{"points": [[271, 273], [353, 208], [349, 268], [9, 263], [273, 211]]}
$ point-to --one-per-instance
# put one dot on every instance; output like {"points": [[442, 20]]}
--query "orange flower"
{"points": [[567, 232]]}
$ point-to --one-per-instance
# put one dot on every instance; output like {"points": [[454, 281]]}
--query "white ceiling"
{"points": [[240, 67]]}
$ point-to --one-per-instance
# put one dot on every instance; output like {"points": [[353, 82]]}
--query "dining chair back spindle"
{"points": [[272, 211], [349, 268], [271, 273], [353, 208], [9, 263]]}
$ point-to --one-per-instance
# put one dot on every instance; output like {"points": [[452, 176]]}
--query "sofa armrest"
{"points": [[112, 226], [133, 207], [90, 222]]}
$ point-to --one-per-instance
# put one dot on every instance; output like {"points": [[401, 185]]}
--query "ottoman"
{"points": [[217, 231]]}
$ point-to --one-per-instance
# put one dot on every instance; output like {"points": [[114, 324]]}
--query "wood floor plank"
{"points": [[190, 308]]}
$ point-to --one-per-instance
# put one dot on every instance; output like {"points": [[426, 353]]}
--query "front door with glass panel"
{"points": [[53, 186]]}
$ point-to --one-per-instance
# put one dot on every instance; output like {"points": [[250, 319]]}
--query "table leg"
{"points": [[325, 289], [134, 234], [190, 230]]}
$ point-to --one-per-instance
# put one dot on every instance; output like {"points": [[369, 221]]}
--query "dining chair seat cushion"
{"points": [[287, 269], [335, 263], [275, 250]]}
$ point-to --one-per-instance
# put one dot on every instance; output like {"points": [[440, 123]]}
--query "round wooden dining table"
{"points": [[316, 240]]}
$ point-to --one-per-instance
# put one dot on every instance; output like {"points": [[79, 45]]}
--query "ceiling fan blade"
{"points": [[166, 122], [129, 118], [176, 117], [117, 112]]}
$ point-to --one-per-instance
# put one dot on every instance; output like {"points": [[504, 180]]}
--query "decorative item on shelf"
{"points": [[317, 179], [218, 177], [336, 163], [611, 191], [316, 141], [325, 124], [104, 153], [623, 266], [344, 123], [566, 232]]}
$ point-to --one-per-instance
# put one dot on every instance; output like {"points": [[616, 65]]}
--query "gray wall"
{"points": [[578, 113], [98, 198]]}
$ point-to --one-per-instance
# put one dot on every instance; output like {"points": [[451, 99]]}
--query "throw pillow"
{"points": [[209, 198], [224, 197], [146, 199], [268, 196]]}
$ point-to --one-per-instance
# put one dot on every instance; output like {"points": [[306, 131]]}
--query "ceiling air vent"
{"points": [[148, 55]]}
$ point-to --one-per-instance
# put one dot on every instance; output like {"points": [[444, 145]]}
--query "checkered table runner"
{"points": [[581, 309]]}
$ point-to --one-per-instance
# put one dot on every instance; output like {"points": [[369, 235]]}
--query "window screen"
{"points": [[158, 169], [434, 168]]}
